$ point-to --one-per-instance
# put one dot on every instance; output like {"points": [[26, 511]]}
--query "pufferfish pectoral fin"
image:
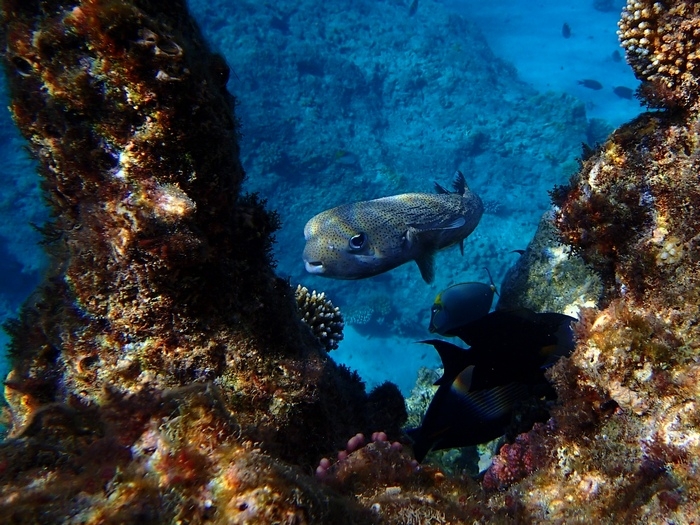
{"points": [[425, 259], [426, 265]]}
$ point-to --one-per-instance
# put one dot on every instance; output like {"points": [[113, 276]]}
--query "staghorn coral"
{"points": [[661, 41], [324, 319]]}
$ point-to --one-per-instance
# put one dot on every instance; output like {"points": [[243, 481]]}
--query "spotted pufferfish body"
{"points": [[362, 239]]}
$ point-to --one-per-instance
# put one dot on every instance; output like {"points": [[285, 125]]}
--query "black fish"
{"points": [[623, 92], [509, 352], [413, 8], [591, 84], [566, 30], [616, 56]]}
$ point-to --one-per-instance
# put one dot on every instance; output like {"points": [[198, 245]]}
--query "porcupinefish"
{"points": [[366, 238], [480, 386]]}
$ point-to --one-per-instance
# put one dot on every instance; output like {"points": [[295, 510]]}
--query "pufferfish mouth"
{"points": [[314, 267]]}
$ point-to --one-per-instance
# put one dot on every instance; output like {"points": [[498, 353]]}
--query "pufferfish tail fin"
{"points": [[459, 185]]}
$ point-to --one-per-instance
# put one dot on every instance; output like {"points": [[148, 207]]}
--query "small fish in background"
{"points": [[616, 56], [566, 30], [366, 238], [624, 92], [591, 84], [481, 386], [413, 8]]}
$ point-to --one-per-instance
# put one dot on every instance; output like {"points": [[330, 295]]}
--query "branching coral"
{"points": [[324, 319]]}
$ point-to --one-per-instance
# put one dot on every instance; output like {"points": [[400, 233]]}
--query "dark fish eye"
{"points": [[357, 242]]}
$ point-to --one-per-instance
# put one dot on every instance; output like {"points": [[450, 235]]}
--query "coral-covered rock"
{"points": [[549, 276], [661, 40], [161, 342], [626, 433]]}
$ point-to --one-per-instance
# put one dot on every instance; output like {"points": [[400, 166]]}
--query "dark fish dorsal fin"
{"points": [[454, 359]]}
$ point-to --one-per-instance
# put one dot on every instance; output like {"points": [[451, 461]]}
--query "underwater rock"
{"points": [[549, 276], [627, 436], [161, 344]]}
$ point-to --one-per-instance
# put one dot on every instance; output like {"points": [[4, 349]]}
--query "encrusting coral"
{"points": [[324, 319]]}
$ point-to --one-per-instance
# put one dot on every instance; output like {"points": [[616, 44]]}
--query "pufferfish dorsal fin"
{"points": [[459, 185]]}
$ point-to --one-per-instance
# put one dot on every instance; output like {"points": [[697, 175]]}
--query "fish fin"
{"points": [[421, 443], [454, 359], [426, 265], [438, 225], [463, 382], [440, 189], [496, 402], [459, 183]]}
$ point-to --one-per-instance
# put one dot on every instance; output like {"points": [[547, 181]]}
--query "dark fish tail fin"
{"points": [[421, 445], [454, 359]]}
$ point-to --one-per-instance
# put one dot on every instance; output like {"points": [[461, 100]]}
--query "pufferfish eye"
{"points": [[357, 242]]}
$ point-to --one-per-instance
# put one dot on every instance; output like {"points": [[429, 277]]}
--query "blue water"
{"points": [[344, 101]]}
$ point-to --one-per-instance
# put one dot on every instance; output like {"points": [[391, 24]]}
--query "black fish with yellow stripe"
{"points": [[508, 355]]}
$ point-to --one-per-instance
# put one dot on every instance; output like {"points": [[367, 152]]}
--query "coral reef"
{"points": [[324, 319], [161, 374], [397, 491], [624, 441], [374, 316], [161, 344], [661, 41]]}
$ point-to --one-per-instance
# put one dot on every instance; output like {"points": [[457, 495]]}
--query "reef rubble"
{"points": [[161, 372]]}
